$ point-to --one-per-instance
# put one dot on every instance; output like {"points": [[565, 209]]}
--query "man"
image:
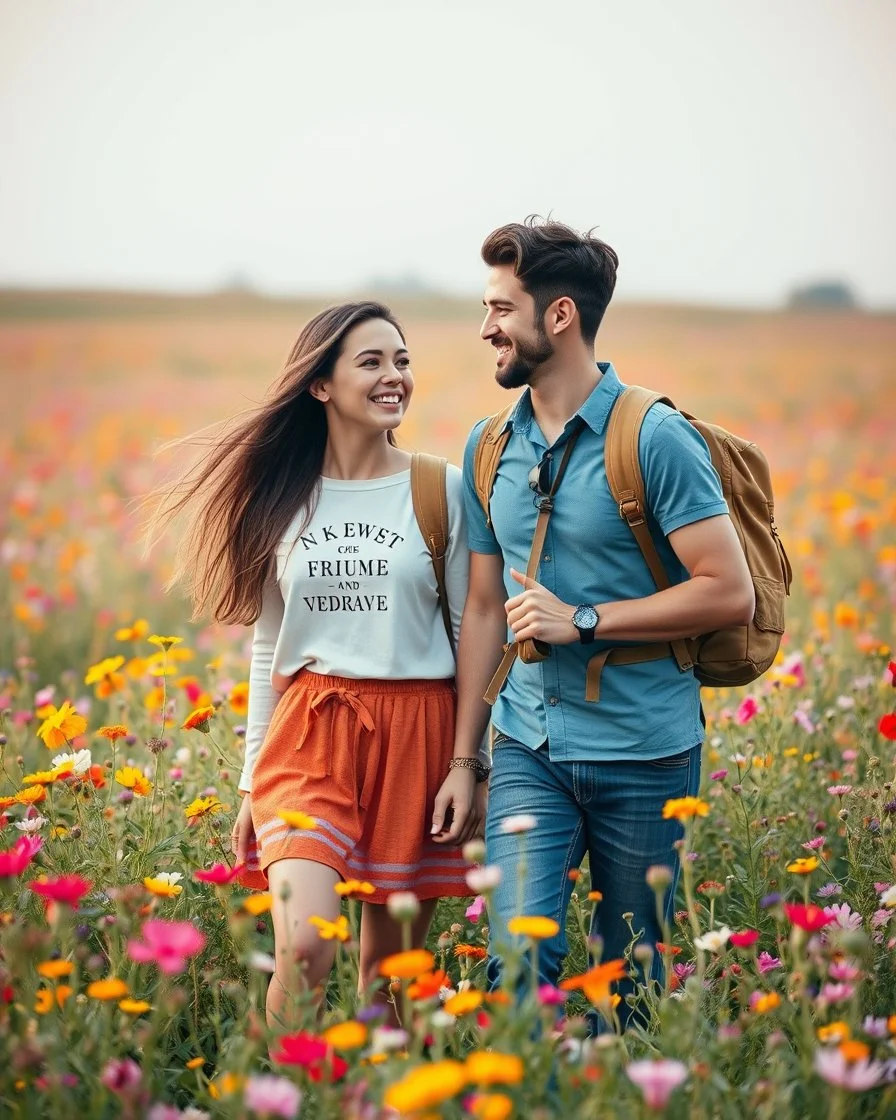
{"points": [[595, 775]]}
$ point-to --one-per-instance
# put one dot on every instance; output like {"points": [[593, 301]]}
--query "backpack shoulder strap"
{"points": [[430, 499], [487, 456], [622, 464]]}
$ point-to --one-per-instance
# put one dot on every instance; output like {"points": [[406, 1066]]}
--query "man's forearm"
{"points": [[697, 606], [481, 646]]}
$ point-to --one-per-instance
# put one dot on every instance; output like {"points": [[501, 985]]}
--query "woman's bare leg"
{"points": [[380, 937]]}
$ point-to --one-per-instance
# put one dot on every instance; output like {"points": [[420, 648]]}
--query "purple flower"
{"points": [[800, 717], [770, 900], [829, 890], [273, 1096], [767, 963], [683, 971], [834, 1068], [875, 1028], [657, 1079]]}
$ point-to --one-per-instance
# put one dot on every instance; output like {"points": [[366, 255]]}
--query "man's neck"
{"points": [[559, 391]]}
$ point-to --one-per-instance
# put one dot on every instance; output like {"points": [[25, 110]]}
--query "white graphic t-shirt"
{"points": [[355, 596]]}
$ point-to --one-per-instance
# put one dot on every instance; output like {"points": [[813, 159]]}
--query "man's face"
{"points": [[513, 328]]}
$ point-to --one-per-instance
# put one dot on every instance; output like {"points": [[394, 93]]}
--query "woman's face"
{"points": [[371, 383]]}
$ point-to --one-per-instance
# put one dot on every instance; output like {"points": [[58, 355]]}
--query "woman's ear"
{"points": [[318, 390]]}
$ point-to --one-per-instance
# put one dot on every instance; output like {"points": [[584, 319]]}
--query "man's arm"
{"points": [[718, 594]]}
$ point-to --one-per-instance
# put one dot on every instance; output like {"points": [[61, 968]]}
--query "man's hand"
{"points": [[538, 613], [457, 809]]}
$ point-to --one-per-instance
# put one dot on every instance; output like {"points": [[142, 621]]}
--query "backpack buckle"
{"points": [[630, 511]]}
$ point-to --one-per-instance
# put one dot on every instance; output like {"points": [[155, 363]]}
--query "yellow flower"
{"points": [[136, 667], [838, 1031], [329, 931], [195, 1063], [684, 808], [131, 778], [154, 698], [353, 886], [535, 927], [491, 1106], [198, 719], [239, 698], [61, 725], [258, 903], [297, 819], [109, 989], [53, 970], [464, 1002], [767, 1002], [164, 885], [226, 1085], [346, 1036], [134, 1006], [407, 965], [805, 865], [47, 997], [845, 615], [103, 669], [426, 1087], [134, 632], [31, 795], [486, 1067], [48, 777], [164, 642], [202, 807], [158, 666]]}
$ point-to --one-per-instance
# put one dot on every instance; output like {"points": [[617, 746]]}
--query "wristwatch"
{"points": [[585, 619]]}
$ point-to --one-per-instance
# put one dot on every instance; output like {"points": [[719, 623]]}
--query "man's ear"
{"points": [[318, 390], [561, 315]]}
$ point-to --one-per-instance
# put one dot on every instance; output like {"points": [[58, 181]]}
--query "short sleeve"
{"points": [[680, 481], [479, 536]]}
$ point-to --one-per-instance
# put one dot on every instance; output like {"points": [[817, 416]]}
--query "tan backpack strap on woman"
{"points": [[429, 495]]}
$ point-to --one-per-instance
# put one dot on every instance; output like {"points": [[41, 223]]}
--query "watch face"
{"points": [[584, 618]]}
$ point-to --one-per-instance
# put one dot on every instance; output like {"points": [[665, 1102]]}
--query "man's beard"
{"points": [[526, 359]]}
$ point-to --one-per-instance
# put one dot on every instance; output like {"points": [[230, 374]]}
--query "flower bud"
{"points": [[403, 906]]}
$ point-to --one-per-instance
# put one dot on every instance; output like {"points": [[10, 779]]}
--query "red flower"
{"points": [[891, 669], [68, 889], [15, 859], [312, 1054], [887, 725], [807, 916], [95, 774], [745, 938], [219, 874]]}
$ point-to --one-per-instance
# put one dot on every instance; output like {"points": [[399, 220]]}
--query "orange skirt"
{"points": [[365, 759]]}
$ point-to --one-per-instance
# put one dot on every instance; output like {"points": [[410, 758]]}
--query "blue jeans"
{"points": [[611, 810]]}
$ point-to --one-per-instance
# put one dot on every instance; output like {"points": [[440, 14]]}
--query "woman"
{"points": [[307, 529]]}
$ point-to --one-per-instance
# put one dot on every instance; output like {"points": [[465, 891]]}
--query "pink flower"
{"points": [[68, 889], [767, 963], [839, 791], [801, 718], [747, 709], [657, 1079], [273, 1096], [836, 993], [834, 1068], [844, 970], [814, 845], [843, 915], [474, 911], [15, 859], [718, 775], [793, 667], [122, 1076], [549, 996], [168, 944], [219, 874]]}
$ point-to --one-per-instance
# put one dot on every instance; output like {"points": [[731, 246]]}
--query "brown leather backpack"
{"points": [[430, 499], [735, 655]]}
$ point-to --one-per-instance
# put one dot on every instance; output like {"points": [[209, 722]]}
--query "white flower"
{"points": [[480, 880], [81, 761], [521, 822], [169, 877], [714, 941], [441, 1020], [403, 906], [183, 755], [31, 824], [888, 897], [262, 962], [384, 1039]]}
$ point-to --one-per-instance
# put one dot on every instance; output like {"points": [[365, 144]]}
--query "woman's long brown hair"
{"points": [[258, 472]]}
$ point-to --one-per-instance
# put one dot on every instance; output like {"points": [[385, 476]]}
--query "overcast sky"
{"points": [[727, 149]]}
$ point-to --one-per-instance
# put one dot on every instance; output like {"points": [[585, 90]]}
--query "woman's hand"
{"points": [[456, 813], [243, 835]]}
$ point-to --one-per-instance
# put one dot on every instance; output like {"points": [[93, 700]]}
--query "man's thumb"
{"points": [[522, 578]]}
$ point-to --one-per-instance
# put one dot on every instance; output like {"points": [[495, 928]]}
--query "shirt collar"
{"points": [[595, 411]]}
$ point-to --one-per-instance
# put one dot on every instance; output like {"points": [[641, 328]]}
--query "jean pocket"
{"points": [[500, 738], [673, 762]]}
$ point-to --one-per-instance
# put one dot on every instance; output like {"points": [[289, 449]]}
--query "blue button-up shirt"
{"points": [[647, 710]]}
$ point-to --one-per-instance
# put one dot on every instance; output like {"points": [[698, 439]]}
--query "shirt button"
{"points": [[554, 701], [547, 558]]}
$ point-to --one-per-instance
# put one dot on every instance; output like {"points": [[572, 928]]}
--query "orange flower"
{"points": [[426, 1087], [32, 795], [684, 808], [198, 719], [487, 1067], [131, 778], [61, 725], [464, 1002], [535, 927], [113, 732], [595, 983], [346, 1036], [55, 970], [407, 965], [134, 1006], [109, 989], [353, 886], [239, 698], [295, 818], [428, 985], [258, 903], [475, 952], [490, 1106]]}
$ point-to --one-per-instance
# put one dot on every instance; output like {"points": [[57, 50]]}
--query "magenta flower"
{"points": [[718, 775], [657, 1079], [474, 911], [802, 719], [818, 842], [167, 944], [844, 970], [745, 938], [272, 1096], [767, 963], [219, 874], [122, 1076], [834, 1068], [67, 889], [15, 859], [746, 710], [548, 995]]}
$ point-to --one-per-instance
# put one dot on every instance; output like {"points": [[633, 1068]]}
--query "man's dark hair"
{"points": [[552, 260]]}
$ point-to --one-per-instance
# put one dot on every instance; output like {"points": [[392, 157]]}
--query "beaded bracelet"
{"points": [[479, 768]]}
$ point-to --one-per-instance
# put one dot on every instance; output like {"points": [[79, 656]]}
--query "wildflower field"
{"points": [[133, 971]]}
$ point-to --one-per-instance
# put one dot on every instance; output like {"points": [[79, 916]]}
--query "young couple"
{"points": [[307, 530]]}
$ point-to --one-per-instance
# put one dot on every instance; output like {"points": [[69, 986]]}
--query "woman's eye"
{"points": [[403, 362], [369, 362]]}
